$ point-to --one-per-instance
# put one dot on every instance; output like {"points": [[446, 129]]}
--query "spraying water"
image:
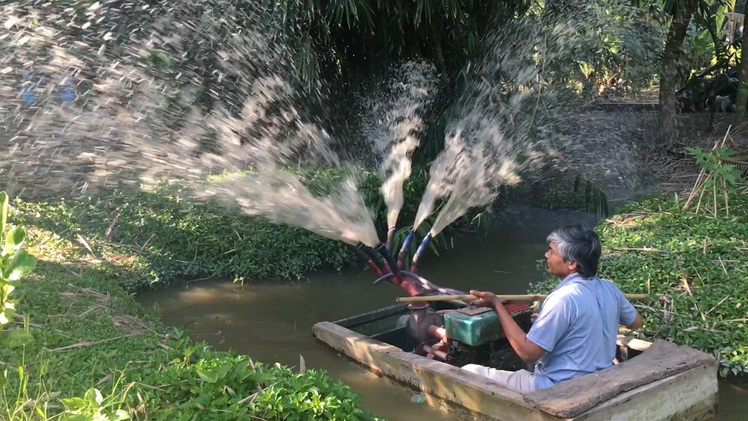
{"points": [[509, 116], [394, 127], [111, 97]]}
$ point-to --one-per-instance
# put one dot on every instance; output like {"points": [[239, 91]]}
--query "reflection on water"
{"points": [[273, 322]]}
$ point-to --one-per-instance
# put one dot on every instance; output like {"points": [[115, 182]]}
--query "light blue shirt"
{"points": [[578, 326]]}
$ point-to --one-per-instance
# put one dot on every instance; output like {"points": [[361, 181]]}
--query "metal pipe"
{"points": [[382, 249], [404, 249], [435, 352], [428, 286], [438, 332], [419, 252], [416, 285], [387, 277]]}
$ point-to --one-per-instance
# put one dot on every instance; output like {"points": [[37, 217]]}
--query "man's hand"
{"points": [[485, 299], [525, 348]]}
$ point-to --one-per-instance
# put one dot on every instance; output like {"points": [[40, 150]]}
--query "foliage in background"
{"points": [[162, 239], [346, 37], [707, 43], [615, 48]]}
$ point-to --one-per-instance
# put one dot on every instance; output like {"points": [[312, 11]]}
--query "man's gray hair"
{"points": [[579, 244]]}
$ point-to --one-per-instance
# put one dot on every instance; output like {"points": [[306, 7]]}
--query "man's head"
{"points": [[573, 249]]}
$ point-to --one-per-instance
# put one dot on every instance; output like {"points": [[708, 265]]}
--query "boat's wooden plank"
{"points": [[471, 391], [371, 316], [688, 396], [662, 359]]}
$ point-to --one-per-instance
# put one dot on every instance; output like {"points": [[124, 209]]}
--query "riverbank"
{"points": [[94, 352]]}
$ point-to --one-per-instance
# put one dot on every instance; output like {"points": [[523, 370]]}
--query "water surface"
{"points": [[273, 322]]}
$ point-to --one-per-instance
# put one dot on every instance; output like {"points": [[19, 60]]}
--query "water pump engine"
{"points": [[469, 335], [445, 331]]}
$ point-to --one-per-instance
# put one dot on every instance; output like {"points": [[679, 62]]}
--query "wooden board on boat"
{"points": [[666, 381]]}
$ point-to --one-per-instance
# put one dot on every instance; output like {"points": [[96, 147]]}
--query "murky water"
{"points": [[273, 322]]}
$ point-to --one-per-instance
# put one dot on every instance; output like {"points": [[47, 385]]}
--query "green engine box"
{"points": [[477, 326], [472, 326]]}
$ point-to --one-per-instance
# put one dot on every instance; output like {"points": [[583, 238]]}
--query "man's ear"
{"points": [[573, 265]]}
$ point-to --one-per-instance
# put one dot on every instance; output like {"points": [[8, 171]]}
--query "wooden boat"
{"points": [[660, 380]]}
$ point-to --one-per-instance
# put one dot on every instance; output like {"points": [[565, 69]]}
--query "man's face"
{"points": [[556, 264]]}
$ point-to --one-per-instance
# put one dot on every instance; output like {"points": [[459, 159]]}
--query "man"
{"points": [[575, 332]]}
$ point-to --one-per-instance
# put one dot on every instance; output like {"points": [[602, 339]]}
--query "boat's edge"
{"points": [[692, 395], [484, 399], [662, 360]]}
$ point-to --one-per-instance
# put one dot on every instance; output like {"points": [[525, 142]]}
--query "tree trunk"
{"points": [[671, 75], [441, 63], [742, 97]]}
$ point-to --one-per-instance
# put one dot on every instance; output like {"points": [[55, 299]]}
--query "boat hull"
{"points": [[664, 382]]}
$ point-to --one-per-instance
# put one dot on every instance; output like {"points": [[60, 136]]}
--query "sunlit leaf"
{"points": [[3, 211], [14, 239], [20, 265]]}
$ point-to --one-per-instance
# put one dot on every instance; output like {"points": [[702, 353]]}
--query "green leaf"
{"points": [[6, 312], [75, 402], [20, 265], [16, 338], [75, 417], [730, 178], [121, 414], [14, 239], [3, 211], [94, 397], [207, 376]]}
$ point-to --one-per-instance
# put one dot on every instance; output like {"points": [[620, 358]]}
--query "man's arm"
{"points": [[637, 323], [525, 348]]}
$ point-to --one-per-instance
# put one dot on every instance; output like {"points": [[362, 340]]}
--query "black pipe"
{"points": [[382, 266], [366, 258], [419, 252], [382, 249], [387, 277], [404, 249]]}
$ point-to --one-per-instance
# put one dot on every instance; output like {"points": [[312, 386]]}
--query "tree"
{"points": [[742, 97], [672, 75]]}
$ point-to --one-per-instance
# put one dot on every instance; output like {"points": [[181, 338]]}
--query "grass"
{"points": [[82, 348]]}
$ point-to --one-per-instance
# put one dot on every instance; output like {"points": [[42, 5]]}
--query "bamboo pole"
{"points": [[468, 297]]}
